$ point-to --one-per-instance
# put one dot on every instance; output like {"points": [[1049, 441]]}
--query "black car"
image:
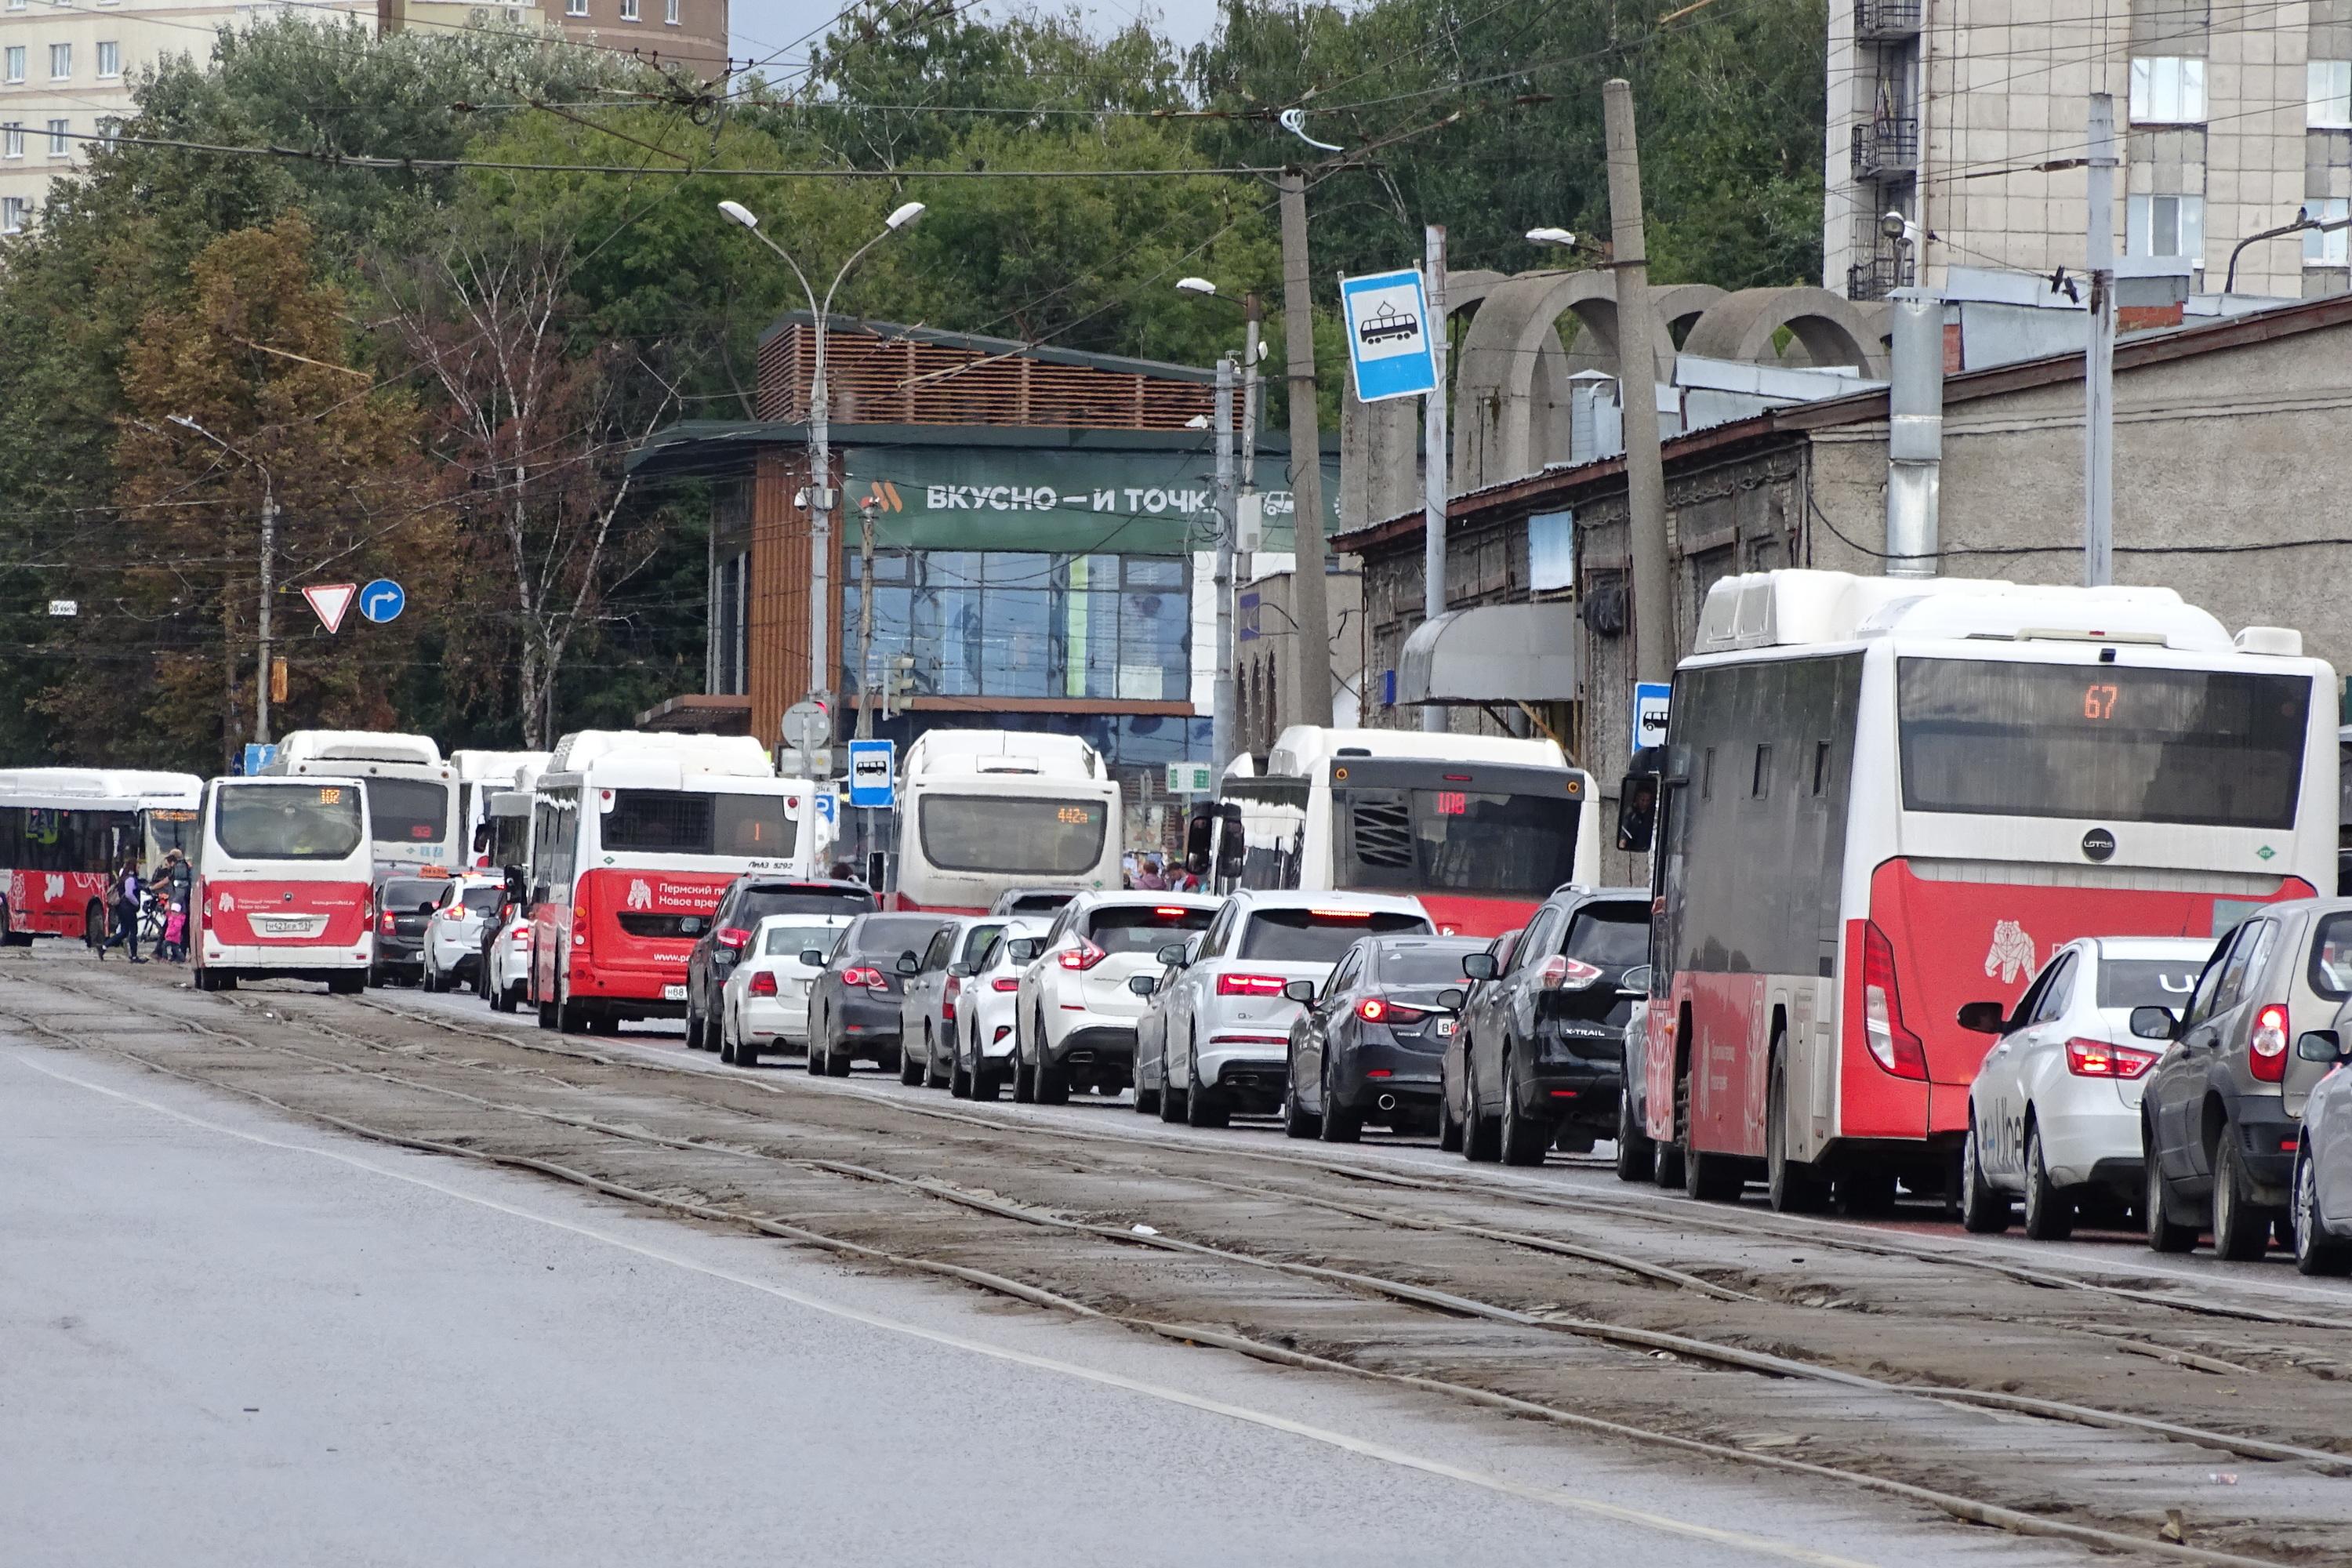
{"points": [[747, 900], [1543, 1039], [1371, 1045], [853, 1000], [1451, 1101], [403, 909]]}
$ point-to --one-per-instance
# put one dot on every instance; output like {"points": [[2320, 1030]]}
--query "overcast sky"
{"points": [[779, 29]]}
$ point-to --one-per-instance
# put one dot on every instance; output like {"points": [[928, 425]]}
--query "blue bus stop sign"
{"points": [[871, 765]]}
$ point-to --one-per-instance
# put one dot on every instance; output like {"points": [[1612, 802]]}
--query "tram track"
{"points": [[267, 1008]]}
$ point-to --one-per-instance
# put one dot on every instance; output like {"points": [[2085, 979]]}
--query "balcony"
{"points": [[1886, 146], [1884, 21], [1878, 273]]}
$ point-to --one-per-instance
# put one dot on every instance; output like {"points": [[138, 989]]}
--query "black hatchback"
{"points": [[1542, 1039], [747, 900], [403, 908], [1370, 1044]]}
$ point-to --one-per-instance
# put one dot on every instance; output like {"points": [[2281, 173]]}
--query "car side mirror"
{"points": [[1300, 991], [1199, 830], [2154, 1023], [909, 964], [1023, 949], [1233, 848], [1479, 966], [1637, 812], [1992, 1019], [1636, 982], [813, 957], [1452, 998], [1143, 984], [1172, 954], [2320, 1045]]}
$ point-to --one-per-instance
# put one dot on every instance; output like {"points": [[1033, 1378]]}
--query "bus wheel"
{"points": [[1791, 1186], [570, 1018], [93, 924]]}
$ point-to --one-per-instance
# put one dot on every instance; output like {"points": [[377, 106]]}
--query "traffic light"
{"points": [[898, 685]]}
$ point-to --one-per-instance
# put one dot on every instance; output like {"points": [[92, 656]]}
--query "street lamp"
{"points": [[1559, 237], [820, 492], [269, 551], [1229, 505]]}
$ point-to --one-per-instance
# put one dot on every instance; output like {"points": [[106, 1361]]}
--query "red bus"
{"points": [[284, 870], [64, 830]]}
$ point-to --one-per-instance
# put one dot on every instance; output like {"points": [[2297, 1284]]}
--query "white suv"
{"points": [[452, 937], [1227, 1043], [1074, 1022]]}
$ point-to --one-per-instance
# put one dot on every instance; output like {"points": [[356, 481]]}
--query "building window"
{"points": [[629, 10], [576, 8], [2165, 226], [12, 139], [16, 58], [2168, 91], [110, 58], [60, 62], [669, 12], [16, 4], [11, 214], [1551, 551], [2327, 95], [2327, 248], [61, 144]]}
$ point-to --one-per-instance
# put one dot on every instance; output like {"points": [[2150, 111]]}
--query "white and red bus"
{"points": [[1883, 798], [1480, 828], [64, 830], [411, 792], [981, 812], [284, 869], [634, 836]]}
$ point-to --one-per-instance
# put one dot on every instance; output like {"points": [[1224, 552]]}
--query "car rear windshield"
{"points": [[2149, 982], [1013, 836], [1318, 936], [405, 893], [408, 811], [791, 942], [689, 822], [288, 822], [1455, 840], [2106, 742], [758, 903], [1615, 936], [484, 900], [2331, 956], [1143, 930], [1423, 965], [1036, 904], [893, 935]]}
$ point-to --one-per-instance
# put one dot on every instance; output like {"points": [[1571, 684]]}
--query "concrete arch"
{"points": [[1741, 326]]}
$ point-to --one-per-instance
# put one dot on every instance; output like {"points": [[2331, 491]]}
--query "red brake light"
{"points": [[861, 974], [1561, 972], [1378, 1010], [1341, 914], [732, 936], [2266, 1046], [386, 922], [1250, 984], [763, 983], [2097, 1059], [1005, 983], [1893, 1047], [1085, 955], [1171, 912]]}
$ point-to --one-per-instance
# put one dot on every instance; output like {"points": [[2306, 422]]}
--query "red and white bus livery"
{"points": [[1480, 828], [633, 837], [284, 866], [1881, 798], [64, 830]]}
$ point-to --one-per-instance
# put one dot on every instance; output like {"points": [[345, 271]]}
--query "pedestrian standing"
{"points": [[1148, 878], [125, 893], [174, 882]]}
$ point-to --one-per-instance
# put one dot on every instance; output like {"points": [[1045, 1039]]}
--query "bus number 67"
{"points": [[2099, 702]]}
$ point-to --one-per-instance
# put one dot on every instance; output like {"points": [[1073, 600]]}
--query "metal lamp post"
{"points": [[269, 555], [820, 490]]}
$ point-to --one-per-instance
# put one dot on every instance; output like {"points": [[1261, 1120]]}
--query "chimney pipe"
{"points": [[1915, 433]]}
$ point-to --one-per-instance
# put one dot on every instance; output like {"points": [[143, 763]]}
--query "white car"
{"points": [[985, 1010], [1224, 1021], [509, 971], [453, 936], [934, 994], [1076, 1023], [2053, 1114], [764, 1003]]}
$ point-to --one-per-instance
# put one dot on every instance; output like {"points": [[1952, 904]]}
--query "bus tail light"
{"points": [[731, 937], [2097, 1059], [2266, 1046], [1249, 984], [1085, 955], [1561, 972], [763, 983], [1896, 1048]]}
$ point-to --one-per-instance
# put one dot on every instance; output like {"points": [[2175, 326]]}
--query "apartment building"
{"points": [[1970, 117], [66, 66]]}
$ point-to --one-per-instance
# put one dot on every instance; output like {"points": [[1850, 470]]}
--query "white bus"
{"points": [[480, 775], [984, 811], [411, 792], [1480, 828], [633, 837], [63, 830], [1883, 798], [284, 871]]}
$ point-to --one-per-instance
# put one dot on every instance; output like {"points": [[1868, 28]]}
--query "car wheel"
{"points": [[2241, 1228], [958, 1079], [1637, 1154], [1522, 1142], [1984, 1211], [726, 1046], [1297, 1121], [1340, 1125], [1203, 1106], [1049, 1083], [1147, 1100], [747, 1049], [697, 1034], [932, 1077], [1449, 1126], [1791, 1186], [1482, 1140], [2317, 1252], [1172, 1099], [2049, 1213], [817, 1046], [2165, 1233], [910, 1071]]}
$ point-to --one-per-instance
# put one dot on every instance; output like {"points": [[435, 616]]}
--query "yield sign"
{"points": [[331, 600]]}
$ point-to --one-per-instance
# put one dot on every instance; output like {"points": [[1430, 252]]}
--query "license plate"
{"points": [[1445, 1025], [285, 928], [673, 993]]}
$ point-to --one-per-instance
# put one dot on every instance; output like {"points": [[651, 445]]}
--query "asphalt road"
{"points": [[230, 1337]]}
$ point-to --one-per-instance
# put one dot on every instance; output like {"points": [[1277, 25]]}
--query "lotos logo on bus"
{"points": [[227, 903], [641, 896], [2012, 952], [54, 886]]}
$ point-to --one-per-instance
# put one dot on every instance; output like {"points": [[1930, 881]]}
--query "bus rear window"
{"points": [[1454, 840], [690, 822], [2104, 743], [288, 822], [408, 811], [1318, 936], [1013, 834]]}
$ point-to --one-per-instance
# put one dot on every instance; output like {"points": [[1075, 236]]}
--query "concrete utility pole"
{"points": [[1645, 479], [2099, 358], [1312, 689], [865, 620], [1253, 319], [1433, 446], [269, 591], [1221, 702]]}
